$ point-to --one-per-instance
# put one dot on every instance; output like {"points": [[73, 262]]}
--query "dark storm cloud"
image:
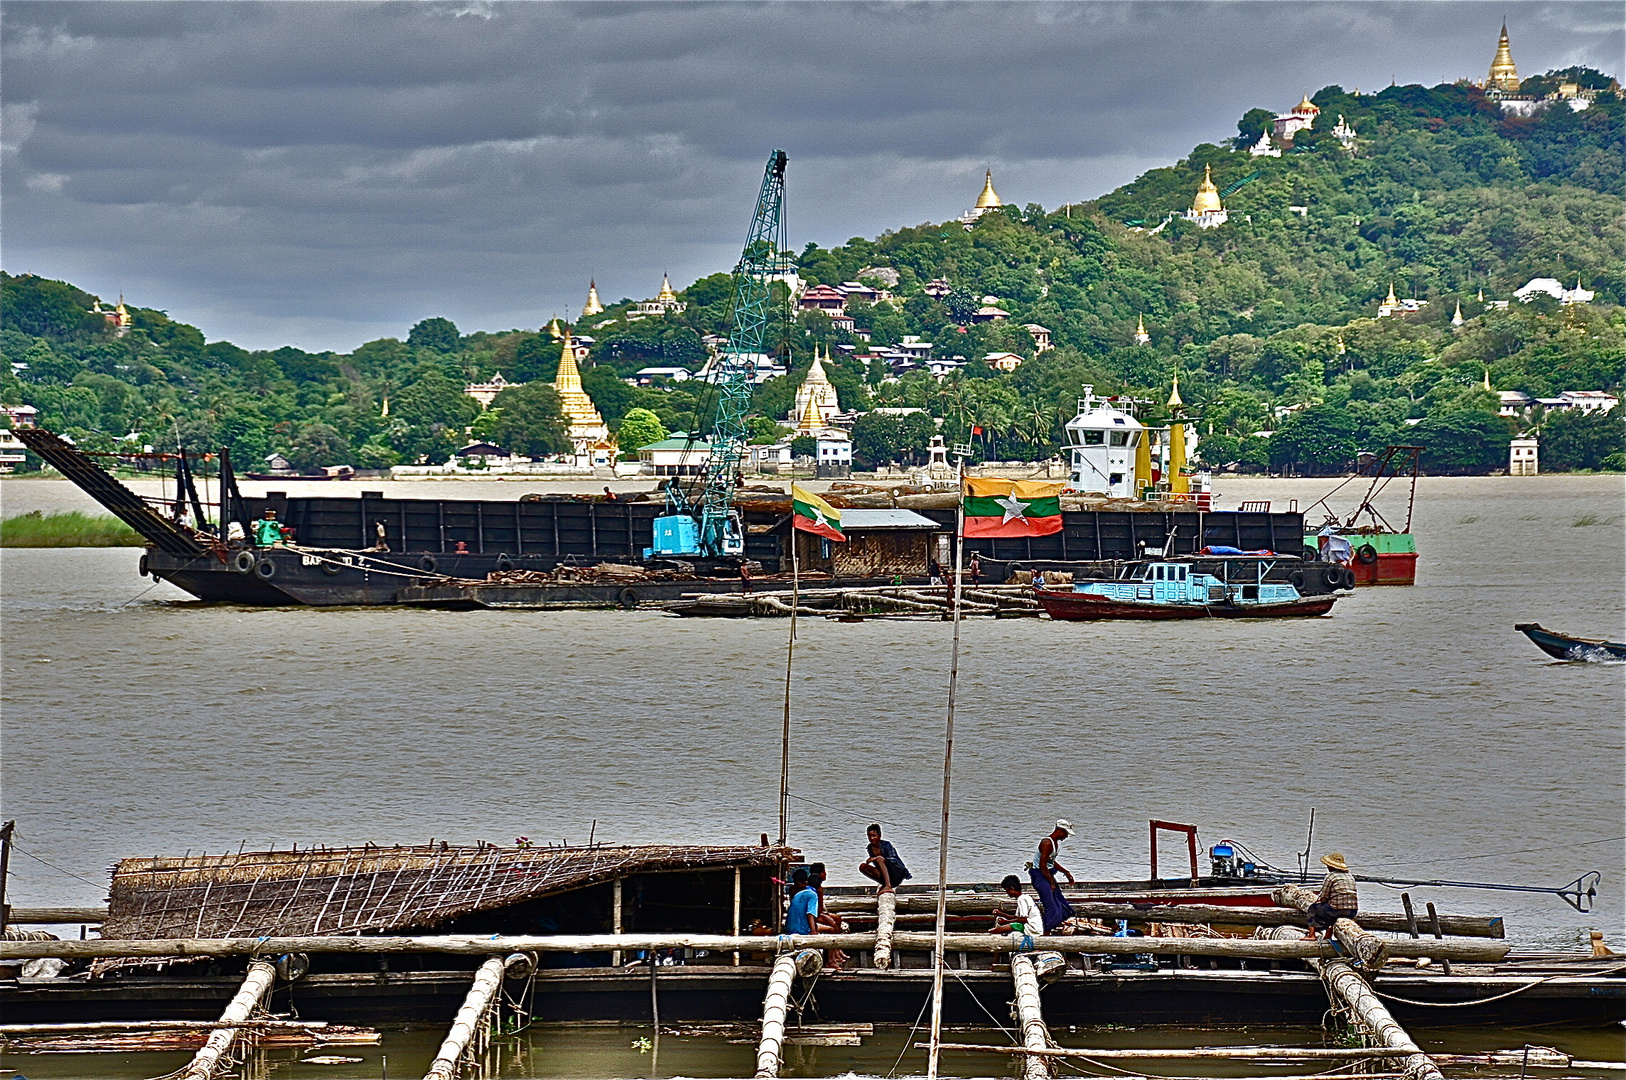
{"points": [[322, 174]]}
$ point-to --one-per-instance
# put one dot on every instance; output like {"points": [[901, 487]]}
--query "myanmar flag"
{"points": [[1011, 508], [812, 514]]}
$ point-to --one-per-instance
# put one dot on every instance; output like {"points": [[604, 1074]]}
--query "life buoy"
{"points": [[429, 564], [504, 563], [141, 567], [627, 599], [1366, 554], [1296, 579], [243, 562], [266, 569], [1333, 576]]}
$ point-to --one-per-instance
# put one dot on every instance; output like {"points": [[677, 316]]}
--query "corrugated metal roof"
{"points": [[886, 519]]}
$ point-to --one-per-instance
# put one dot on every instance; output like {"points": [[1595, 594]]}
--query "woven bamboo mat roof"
{"points": [[328, 891]]}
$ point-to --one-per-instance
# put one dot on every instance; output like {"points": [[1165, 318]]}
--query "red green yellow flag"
{"points": [[812, 514], [1011, 507]]}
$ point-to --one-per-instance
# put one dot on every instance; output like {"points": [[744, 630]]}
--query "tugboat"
{"points": [[1176, 590], [1378, 553]]}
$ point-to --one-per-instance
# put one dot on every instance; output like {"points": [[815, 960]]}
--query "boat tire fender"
{"points": [[142, 568], [1310, 554], [1296, 579], [504, 562], [429, 564], [243, 562], [627, 599], [1349, 578], [1366, 554], [1334, 576], [331, 566], [265, 569]]}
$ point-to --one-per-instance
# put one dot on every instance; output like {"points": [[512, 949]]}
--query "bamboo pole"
{"points": [[777, 1003], [212, 1055], [1207, 1053], [1030, 1017], [1371, 950], [37, 916], [1252, 948], [886, 919], [470, 1018], [1344, 983], [1207, 914], [155, 1025]]}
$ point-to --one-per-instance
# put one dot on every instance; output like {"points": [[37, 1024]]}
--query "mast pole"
{"points": [[936, 1046], [790, 652]]}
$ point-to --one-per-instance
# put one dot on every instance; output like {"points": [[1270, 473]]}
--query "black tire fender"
{"points": [[429, 564], [330, 566], [1349, 578], [1310, 554], [627, 599], [243, 562], [265, 569], [1334, 576], [142, 567], [504, 562], [1366, 554], [1296, 579]]}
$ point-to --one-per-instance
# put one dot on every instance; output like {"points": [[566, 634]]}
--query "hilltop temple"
{"points": [[586, 425], [592, 307], [665, 301], [987, 202], [118, 319], [1207, 212], [1504, 74]]}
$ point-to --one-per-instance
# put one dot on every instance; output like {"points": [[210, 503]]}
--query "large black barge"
{"points": [[369, 549]]}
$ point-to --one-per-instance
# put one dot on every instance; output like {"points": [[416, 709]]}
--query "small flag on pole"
{"points": [[1002, 508], [812, 514]]}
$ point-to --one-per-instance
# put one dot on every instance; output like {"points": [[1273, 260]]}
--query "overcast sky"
{"points": [[322, 174]]}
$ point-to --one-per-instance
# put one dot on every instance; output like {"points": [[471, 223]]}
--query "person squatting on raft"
{"points": [[883, 865], [1337, 898], [1028, 920], [1042, 872]]}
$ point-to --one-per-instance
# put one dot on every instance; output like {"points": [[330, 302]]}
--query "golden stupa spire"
{"points": [[592, 307], [573, 400], [1174, 395], [555, 331], [989, 199], [666, 295], [1456, 318], [1141, 336], [1504, 75], [1390, 299], [811, 419], [570, 376], [1207, 200]]}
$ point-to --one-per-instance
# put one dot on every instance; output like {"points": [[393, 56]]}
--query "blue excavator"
{"points": [[703, 521]]}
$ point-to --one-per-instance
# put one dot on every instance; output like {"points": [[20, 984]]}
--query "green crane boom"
{"points": [[719, 533]]}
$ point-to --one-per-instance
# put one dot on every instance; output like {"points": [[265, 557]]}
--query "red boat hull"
{"points": [[1397, 568], [1085, 606]]}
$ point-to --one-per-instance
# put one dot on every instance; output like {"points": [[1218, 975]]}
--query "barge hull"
{"points": [[1085, 606]]}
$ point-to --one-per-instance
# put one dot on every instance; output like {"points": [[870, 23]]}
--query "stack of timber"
{"points": [[931, 602]]}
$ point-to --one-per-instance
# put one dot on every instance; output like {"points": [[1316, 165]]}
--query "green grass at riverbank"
{"points": [[73, 529]]}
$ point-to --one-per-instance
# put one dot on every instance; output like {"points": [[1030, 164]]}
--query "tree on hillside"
{"points": [[639, 427], [1572, 439], [1463, 440], [316, 445], [435, 411], [1318, 440], [530, 421], [437, 334]]}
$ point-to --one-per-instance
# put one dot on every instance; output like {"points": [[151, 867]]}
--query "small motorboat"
{"points": [[1176, 590], [1565, 647]]}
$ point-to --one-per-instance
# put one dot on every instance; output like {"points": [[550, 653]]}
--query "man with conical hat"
{"points": [[1336, 900]]}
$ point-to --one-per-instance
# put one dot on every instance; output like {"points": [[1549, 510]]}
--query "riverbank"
{"points": [[73, 529]]}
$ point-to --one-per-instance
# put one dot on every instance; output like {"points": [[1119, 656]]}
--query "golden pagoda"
{"points": [[586, 425], [1504, 76], [810, 420], [593, 306], [1141, 336], [666, 295], [555, 330], [1207, 200], [989, 199], [1174, 395], [816, 391]]}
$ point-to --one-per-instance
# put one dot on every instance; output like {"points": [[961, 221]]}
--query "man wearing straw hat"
{"points": [[1337, 899]]}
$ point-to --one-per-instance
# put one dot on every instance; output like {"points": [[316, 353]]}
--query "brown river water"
{"points": [[1431, 739]]}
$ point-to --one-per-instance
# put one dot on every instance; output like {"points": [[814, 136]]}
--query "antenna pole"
{"points": [[961, 452]]}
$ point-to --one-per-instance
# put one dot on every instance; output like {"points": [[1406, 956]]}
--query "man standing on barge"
{"points": [[1042, 872]]}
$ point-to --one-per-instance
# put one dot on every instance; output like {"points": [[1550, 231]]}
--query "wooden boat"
{"points": [[1175, 590], [1565, 647]]}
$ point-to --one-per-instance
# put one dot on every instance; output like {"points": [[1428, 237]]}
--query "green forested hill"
{"points": [[1268, 320]]}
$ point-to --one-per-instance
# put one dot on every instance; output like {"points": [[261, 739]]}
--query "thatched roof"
{"points": [[326, 891]]}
